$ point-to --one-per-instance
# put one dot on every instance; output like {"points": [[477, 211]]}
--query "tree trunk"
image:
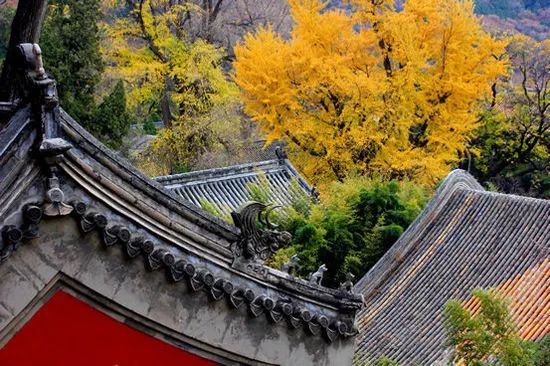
{"points": [[25, 28]]}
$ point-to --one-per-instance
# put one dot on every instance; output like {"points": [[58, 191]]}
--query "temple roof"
{"points": [[465, 238], [62, 191], [228, 188]]}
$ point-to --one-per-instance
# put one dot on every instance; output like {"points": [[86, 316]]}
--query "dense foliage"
{"points": [[181, 78], [511, 149], [373, 90], [70, 43], [112, 121], [489, 336], [353, 226], [6, 16]]}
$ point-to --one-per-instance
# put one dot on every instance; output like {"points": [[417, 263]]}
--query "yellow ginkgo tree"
{"points": [[165, 71], [369, 89]]}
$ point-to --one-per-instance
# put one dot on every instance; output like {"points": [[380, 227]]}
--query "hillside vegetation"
{"points": [[531, 17]]}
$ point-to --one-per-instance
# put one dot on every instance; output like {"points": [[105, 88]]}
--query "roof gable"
{"points": [[67, 202], [465, 238]]}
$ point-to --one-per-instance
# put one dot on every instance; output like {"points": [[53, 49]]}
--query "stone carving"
{"points": [[257, 243], [32, 55], [317, 277], [288, 267], [54, 204], [348, 284], [44, 99], [281, 154], [41, 84], [32, 215], [11, 237]]}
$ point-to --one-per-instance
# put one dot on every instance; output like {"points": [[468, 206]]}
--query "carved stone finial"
{"points": [[288, 267], [317, 277], [32, 56], [256, 243], [39, 65], [42, 94], [348, 284], [43, 88], [54, 204]]}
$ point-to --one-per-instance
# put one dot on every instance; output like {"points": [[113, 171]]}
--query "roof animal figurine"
{"points": [[255, 243], [317, 277], [348, 284], [288, 267]]}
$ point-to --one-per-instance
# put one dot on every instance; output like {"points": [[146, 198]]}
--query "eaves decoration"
{"points": [[236, 273]]}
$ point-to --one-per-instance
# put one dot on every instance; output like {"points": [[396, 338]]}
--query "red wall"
{"points": [[68, 331]]}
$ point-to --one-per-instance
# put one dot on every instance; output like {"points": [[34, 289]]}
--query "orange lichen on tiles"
{"points": [[529, 295]]}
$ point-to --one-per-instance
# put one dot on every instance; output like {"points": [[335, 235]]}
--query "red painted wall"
{"points": [[68, 331]]}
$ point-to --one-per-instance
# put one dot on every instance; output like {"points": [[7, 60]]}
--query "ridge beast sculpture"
{"points": [[288, 267], [317, 277], [256, 243]]}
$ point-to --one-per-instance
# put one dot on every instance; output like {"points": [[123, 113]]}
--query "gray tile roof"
{"points": [[465, 238], [249, 152], [227, 188]]}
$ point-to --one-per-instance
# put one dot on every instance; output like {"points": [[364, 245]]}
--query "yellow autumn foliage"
{"points": [[371, 90], [165, 71]]}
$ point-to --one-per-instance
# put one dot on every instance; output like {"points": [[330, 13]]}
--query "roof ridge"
{"points": [[218, 170], [514, 197], [457, 179], [133, 175]]}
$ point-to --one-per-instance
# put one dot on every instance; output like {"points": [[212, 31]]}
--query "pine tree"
{"points": [[70, 43], [112, 121]]}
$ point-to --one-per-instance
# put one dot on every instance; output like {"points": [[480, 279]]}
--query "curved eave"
{"points": [[134, 199], [124, 170]]}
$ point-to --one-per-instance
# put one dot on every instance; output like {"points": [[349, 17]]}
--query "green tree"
{"points": [[184, 80], [542, 357], [70, 43], [355, 224], [112, 121], [6, 16], [488, 336]]}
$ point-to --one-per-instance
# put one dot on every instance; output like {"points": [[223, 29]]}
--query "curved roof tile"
{"points": [[465, 238], [227, 188]]}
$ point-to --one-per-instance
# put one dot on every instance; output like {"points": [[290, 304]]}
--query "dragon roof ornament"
{"points": [[256, 243]]}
